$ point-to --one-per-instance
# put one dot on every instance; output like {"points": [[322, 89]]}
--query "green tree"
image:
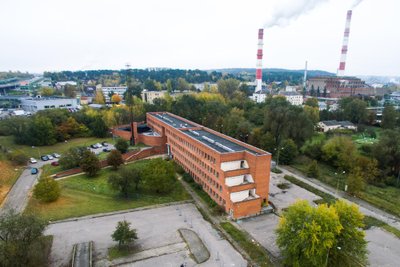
{"points": [[369, 168], [389, 117], [355, 181], [72, 157], [350, 248], [126, 181], [121, 145], [306, 234], [46, 91], [114, 159], [182, 85], [159, 176], [47, 190], [312, 113], [288, 152], [387, 152], [90, 163], [70, 91], [228, 87], [19, 237], [99, 127], [41, 132], [313, 170], [340, 152], [123, 234], [355, 110]]}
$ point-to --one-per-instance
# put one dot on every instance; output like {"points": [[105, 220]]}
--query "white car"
{"points": [[32, 160], [56, 155], [98, 145], [50, 157]]}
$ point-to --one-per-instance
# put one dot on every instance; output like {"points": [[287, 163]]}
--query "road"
{"points": [[365, 208], [17, 198]]}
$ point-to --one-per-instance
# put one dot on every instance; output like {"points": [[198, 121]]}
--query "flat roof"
{"points": [[217, 142], [172, 121]]}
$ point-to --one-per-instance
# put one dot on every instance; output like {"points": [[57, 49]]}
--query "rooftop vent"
{"points": [[208, 139], [224, 147]]}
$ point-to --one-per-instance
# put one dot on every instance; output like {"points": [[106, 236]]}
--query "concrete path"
{"points": [[365, 208], [196, 246]]}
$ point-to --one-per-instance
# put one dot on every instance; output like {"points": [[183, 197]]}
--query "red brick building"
{"points": [[234, 174]]}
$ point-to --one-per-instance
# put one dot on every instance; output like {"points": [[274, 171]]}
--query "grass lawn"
{"points": [[82, 196], [8, 176], [257, 253], [387, 198], [116, 252], [60, 148]]}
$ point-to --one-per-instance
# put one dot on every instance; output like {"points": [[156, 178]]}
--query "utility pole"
{"points": [[129, 101]]}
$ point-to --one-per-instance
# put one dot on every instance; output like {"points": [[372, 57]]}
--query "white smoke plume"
{"points": [[288, 10], [356, 3]]}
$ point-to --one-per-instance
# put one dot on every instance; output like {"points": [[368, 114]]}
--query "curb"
{"points": [[99, 215]]}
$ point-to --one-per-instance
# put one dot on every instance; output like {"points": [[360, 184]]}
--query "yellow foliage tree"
{"points": [[116, 98]]}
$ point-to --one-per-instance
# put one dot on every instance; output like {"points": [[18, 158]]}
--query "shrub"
{"points": [[18, 157], [313, 170], [114, 159], [122, 145], [46, 190]]}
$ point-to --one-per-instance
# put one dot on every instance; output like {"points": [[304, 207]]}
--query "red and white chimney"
{"points": [[259, 60], [342, 65]]}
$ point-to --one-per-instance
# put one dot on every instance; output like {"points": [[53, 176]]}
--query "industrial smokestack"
{"points": [[305, 76], [259, 60], [342, 65]]}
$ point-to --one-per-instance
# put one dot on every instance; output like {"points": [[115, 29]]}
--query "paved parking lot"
{"points": [[156, 228]]}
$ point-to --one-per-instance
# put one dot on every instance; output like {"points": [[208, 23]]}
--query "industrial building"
{"points": [[34, 104], [234, 174]]}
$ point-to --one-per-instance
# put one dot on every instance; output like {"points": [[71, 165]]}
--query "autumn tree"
{"points": [[116, 98], [114, 159], [323, 235], [99, 98], [355, 181]]}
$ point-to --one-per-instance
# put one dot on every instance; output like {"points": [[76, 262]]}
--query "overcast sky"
{"points": [[40, 35]]}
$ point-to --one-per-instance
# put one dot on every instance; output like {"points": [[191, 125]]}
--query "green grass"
{"points": [[49, 170], [257, 253], [60, 148], [119, 252], [385, 198], [82, 196], [371, 221], [325, 196]]}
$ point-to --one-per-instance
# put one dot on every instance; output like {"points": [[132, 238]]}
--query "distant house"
{"points": [[334, 125], [293, 98]]}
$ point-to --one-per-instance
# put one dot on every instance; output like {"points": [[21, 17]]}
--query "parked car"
{"points": [[99, 145], [34, 171], [32, 160], [93, 146], [50, 157], [44, 158], [107, 149], [104, 143], [55, 163], [56, 155]]}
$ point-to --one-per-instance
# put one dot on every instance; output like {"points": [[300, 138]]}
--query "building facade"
{"points": [[35, 104], [234, 174], [293, 98], [119, 90]]}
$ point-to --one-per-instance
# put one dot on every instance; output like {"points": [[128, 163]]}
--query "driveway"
{"points": [[157, 230], [17, 198]]}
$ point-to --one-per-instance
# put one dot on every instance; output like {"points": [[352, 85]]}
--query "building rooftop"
{"points": [[173, 121], [217, 142]]}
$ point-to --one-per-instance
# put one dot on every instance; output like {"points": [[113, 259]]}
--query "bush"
{"points": [[122, 145], [46, 190], [313, 170], [18, 157], [276, 170], [114, 159], [90, 163]]}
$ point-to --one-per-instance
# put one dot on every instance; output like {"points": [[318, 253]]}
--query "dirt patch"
{"points": [[7, 178]]}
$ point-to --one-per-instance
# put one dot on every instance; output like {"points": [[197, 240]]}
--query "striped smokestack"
{"points": [[259, 60], [342, 65]]}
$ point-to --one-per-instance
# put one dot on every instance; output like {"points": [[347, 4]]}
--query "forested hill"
{"points": [[273, 74], [160, 75]]}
